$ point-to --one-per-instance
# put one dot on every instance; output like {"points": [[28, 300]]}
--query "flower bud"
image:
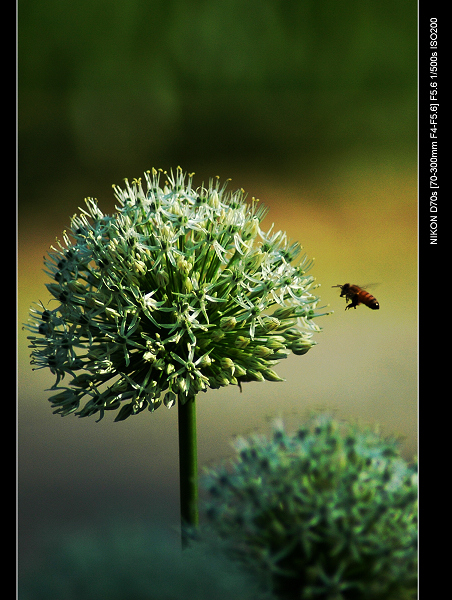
{"points": [[169, 399], [262, 352], [270, 375], [227, 364], [228, 323], [241, 341]]}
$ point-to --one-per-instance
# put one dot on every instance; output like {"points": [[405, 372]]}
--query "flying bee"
{"points": [[357, 295]]}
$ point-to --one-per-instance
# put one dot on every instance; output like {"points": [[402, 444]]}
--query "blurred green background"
{"points": [[309, 106]]}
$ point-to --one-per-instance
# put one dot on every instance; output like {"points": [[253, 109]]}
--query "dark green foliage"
{"points": [[108, 85], [130, 561]]}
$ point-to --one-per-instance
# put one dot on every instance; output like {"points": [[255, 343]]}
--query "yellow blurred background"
{"points": [[319, 123]]}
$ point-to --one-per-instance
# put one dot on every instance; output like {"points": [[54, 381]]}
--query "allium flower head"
{"points": [[326, 512], [178, 291]]}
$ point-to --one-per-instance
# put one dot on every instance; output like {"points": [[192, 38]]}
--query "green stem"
{"points": [[188, 468]]}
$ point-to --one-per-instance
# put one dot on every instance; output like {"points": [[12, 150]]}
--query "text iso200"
{"points": [[433, 33]]}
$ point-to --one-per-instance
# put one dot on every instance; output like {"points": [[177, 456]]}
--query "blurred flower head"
{"points": [[326, 512], [179, 291]]}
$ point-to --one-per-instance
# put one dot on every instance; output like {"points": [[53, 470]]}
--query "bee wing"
{"points": [[369, 285], [363, 287]]}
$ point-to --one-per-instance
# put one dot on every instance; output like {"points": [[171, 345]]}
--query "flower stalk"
{"points": [[188, 469]]}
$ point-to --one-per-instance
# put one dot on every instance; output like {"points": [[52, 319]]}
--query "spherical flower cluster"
{"points": [[179, 291], [329, 512]]}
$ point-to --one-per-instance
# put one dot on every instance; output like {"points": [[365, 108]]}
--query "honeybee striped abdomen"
{"points": [[357, 295]]}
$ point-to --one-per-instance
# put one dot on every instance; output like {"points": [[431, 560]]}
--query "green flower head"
{"points": [[179, 291], [326, 512]]}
